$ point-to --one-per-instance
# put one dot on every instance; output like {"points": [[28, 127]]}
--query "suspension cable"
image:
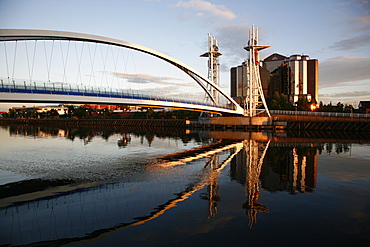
{"points": [[15, 55], [6, 60], [65, 62], [48, 63], [79, 61], [115, 65], [28, 61], [92, 61], [33, 59]]}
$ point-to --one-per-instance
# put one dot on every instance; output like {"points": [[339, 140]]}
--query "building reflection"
{"points": [[273, 168], [291, 169]]}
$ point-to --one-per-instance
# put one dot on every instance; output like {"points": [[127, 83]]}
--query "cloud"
{"points": [[361, 23], [170, 90], [205, 8], [145, 79], [353, 94], [232, 39], [352, 97], [344, 70], [352, 43]]}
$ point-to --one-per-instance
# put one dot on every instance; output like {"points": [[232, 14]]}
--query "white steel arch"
{"points": [[30, 34]]}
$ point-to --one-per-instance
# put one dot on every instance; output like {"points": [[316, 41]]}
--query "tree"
{"points": [[106, 113], [348, 108], [275, 102], [80, 112], [149, 113], [53, 113], [303, 104], [340, 107], [280, 102], [71, 110], [33, 113], [12, 113]]}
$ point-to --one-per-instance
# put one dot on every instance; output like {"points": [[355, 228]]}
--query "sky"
{"points": [[336, 32]]}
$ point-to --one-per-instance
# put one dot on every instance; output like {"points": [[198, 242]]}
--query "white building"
{"points": [[61, 109]]}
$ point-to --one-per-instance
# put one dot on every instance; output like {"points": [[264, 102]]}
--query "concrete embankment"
{"points": [[102, 122], [263, 123]]}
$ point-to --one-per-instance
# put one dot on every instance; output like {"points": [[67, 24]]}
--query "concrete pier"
{"points": [[246, 123]]}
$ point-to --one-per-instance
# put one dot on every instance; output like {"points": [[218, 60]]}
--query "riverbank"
{"points": [[101, 122], [277, 123]]}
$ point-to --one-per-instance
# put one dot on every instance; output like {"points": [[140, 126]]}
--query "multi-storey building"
{"points": [[239, 82], [294, 76]]}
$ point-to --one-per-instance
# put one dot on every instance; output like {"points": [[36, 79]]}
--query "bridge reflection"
{"points": [[80, 211]]}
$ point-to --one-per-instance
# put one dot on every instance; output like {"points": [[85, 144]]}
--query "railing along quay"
{"points": [[280, 113], [323, 121]]}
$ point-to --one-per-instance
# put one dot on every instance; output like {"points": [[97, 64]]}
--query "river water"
{"points": [[141, 187]]}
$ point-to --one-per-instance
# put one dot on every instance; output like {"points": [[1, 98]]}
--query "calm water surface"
{"points": [[88, 187]]}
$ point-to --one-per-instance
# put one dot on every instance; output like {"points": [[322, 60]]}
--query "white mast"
{"points": [[255, 101], [213, 67]]}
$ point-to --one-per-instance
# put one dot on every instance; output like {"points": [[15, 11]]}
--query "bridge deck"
{"points": [[28, 94]]}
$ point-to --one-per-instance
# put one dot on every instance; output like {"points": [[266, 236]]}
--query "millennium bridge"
{"points": [[79, 68]]}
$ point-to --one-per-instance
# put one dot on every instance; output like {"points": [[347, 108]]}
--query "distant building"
{"points": [[273, 61], [364, 107], [294, 76], [61, 109], [239, 82]]}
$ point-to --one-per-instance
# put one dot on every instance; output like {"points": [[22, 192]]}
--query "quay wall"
{"points": [[323, 123], [101, 122], [286, 122], [303, 118], [275, 123]]}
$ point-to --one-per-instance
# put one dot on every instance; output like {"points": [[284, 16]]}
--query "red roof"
{"points": [[275, 57]]}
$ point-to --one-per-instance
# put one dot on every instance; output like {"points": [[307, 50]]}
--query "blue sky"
{"points": [[336, 32]]}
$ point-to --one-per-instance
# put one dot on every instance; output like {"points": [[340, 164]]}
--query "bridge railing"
{"points": [[76, 90], [321, 114]]}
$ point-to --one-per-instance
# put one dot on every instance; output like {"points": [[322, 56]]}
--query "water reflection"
{"points": [[291, 169], [68, 211], [88, 134]]}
